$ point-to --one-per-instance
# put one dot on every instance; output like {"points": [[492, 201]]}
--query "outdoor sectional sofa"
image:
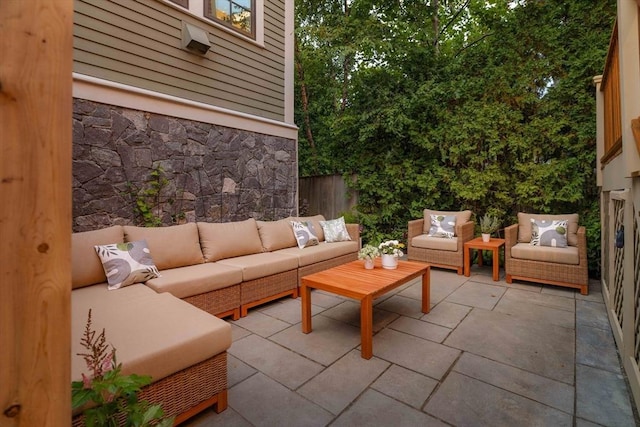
{"points": [[169, 327]]}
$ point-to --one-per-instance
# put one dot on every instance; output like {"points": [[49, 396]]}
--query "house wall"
{"points": [[139, 43]]}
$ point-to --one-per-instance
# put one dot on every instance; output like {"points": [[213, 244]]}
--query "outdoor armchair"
{"points": [[549, 249], [438, 238]]}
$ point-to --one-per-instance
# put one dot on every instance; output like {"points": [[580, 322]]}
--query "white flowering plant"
{"points": [[391, 247], [368, 252]]}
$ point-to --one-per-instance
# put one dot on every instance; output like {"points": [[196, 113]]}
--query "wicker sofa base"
{"points": [[187, 392], [557, 275], [221, 302], [265, 289]]}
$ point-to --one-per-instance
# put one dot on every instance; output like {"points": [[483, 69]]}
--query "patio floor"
{"points": [[487, 354]]}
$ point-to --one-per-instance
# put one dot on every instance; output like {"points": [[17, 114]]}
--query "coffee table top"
{"points": [[354, 281]]}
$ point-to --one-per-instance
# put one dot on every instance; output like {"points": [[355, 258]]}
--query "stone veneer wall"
{"points": [[213, 173]]}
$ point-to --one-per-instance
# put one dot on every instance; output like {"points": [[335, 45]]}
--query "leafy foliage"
{"points": [[459, 104]]}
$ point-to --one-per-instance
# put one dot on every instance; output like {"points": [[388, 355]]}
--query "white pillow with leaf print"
{"points": [[335, 230], [443, 226], [305, 234], [549, 233], [127, 263]]}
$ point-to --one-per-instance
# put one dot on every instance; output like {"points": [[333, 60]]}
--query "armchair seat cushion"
{"points": [[569, 255], [429, 242]]}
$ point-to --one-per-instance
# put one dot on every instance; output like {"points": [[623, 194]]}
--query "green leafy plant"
{"points": [[106, 394], [489, 224], [368, 252]]}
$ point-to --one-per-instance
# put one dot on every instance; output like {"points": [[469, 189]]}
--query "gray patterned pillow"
{"points": [[335, 230], [127, 263], [443, 226], [305, 234], [549, 233]]}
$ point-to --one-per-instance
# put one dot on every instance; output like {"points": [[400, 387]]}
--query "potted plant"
{"points": [[391, 250], [488, 224], [368, 253]]}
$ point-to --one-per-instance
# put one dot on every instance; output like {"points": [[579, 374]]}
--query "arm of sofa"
{"points": [[510, 239], [416, 228], [354, 231], [582, 245], [465, 232]]}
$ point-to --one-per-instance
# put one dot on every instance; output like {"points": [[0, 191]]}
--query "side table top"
{"points": [[477, 243]]}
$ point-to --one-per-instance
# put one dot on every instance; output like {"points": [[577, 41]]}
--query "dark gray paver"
{"points": [[596, 386], [405, 385]]}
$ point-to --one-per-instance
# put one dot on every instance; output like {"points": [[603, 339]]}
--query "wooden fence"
{"points": [[327, 195]]}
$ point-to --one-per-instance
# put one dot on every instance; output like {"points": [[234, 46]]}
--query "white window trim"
{"points": [[196, 9]]}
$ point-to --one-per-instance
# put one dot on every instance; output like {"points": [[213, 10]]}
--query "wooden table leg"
{"points": [[467, 261], [496, 265], [305, 293], [426, 291], [479, 257], [366, 327]]}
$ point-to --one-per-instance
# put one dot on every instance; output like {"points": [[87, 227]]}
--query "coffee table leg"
{"points": [[426, 291], [366, 327], [305, 293]]}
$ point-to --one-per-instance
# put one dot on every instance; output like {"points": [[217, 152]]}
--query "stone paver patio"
{"points": [[488, 354]]}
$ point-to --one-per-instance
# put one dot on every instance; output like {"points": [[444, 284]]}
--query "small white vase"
{"points": [[389, 262], [368, 264], [486, 237]]}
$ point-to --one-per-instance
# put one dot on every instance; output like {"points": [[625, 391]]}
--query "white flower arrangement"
{"points": [[368, 252], [391, 247]]}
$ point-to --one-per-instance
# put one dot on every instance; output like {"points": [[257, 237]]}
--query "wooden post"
{"points": [[36, 39]]}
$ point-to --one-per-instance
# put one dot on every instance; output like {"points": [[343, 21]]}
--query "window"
{"points": [[236, 14]]}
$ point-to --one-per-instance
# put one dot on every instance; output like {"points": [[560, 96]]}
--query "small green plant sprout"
{"points": [[106, 394], [489, 224], [368, 252]]}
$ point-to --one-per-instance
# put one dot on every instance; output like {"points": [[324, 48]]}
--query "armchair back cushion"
{"points": [[524, 226], [170, 247], [461, 217], [229, 239]]}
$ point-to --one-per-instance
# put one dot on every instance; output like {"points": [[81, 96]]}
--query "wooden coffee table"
{"points": [[352, 280]]}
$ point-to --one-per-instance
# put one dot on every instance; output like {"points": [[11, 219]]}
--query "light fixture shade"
{"points": [[195, 38]]}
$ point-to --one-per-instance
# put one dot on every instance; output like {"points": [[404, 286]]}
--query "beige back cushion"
{"points": [[461, 217], [524, 226], [170, 247], [315, 220], [276, 234], [86, 267], [229, 239]]}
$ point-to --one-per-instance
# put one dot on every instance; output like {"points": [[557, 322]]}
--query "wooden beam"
{"points": [[36, 39]]}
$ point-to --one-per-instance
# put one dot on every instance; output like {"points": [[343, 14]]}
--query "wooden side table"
{"points": [[492, 245]]}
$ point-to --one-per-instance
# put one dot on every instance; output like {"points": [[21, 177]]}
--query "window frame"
{"points": [[209, 12]]}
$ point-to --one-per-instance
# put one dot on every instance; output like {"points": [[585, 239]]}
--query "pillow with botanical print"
{"points": [[549, 233], [127, 263], [443, 226], [335, 230], [305, 234]]}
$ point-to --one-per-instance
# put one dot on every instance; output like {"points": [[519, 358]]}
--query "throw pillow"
{"points": [[549, 233], [335, 230], [443, 226], [127, 263], [305, 234]]}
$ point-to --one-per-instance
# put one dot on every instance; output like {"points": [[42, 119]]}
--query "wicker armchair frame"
{"points": [[550, 273], [438, 258]]}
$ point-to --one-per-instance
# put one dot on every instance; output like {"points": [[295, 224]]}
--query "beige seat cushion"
{"points": [[170, 247], [437, 243], [568, 255], [261, 265], [229, 239], [86, 267], [322, 252], [524, 226], [277, 234], [461, 217], [153, 334], [196, 279], [315, 220]]}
